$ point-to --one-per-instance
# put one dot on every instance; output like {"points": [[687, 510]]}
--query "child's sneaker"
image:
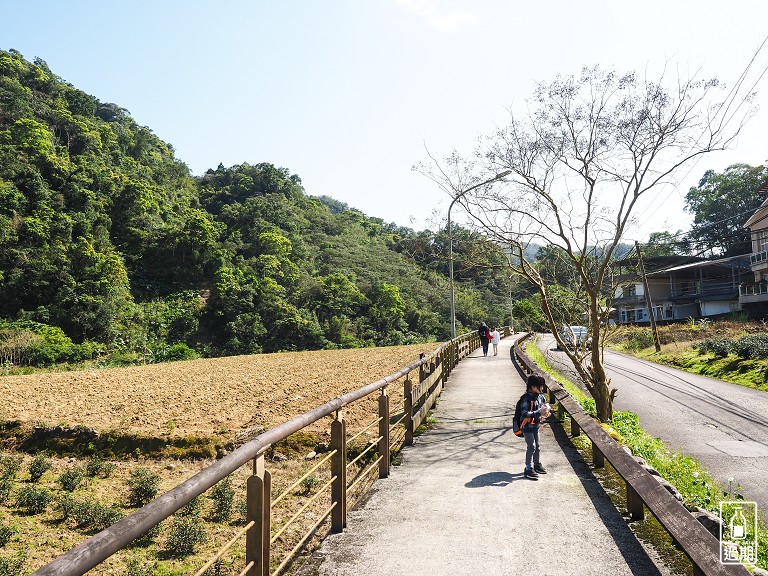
{"points": [[531, 474], [539, 468]]}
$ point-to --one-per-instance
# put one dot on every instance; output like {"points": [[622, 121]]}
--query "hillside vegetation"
{"points": [[110, 248]]}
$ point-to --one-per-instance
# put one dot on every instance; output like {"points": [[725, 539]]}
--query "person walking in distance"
{"points": [[495, 339], [533, 407], [485, 335]]}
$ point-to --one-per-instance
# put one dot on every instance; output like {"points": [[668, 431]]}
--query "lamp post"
{"points": [[450, 241]]}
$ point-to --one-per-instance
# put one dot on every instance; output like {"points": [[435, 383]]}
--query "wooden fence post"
{"points": [[384, 434], [575, 428], [408, 409], [441, 362], [634, 504], [258, 496], [339, 470], [598, 460]]}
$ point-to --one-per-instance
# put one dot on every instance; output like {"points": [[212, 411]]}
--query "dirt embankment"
{"points": [[222, 397]]}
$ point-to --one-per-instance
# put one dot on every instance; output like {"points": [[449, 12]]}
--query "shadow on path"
{"points": [[633, 552], [499, 479]]}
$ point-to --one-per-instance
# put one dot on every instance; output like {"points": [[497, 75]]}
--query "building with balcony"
{"points": [[753, 294], [680, 290]]}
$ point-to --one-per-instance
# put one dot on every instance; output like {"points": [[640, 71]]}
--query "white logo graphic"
{"points": [[738, 532]]}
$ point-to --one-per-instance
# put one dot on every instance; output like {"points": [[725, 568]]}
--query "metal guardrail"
{"points": [[697, 542], [418, 399]]}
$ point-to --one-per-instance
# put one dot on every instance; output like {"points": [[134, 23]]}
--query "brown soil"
{"points": [[222, 396]]}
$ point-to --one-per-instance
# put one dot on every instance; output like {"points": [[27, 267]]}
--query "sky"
{"points": [[349, 94]]}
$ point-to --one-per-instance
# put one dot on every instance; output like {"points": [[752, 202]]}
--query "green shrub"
{"points": [[35, 500], [223, 496], [13, 565], [10, 464], [143, 485], [71, 479], [718, 346], [178, 351], [87, 513], [98, 467], [136, 567], [7, 532], [640, 339], [753, 346], [6, 485], [186, 532], [39, 466]]}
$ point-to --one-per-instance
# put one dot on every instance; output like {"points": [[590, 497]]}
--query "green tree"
{"points": [[720, 205]]}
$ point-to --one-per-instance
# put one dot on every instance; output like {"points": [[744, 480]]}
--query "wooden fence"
{"points": [[642, 490], [394, 425]]}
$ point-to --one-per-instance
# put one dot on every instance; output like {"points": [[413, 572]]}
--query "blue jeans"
{"points": [[485, 346], [532, 449]]}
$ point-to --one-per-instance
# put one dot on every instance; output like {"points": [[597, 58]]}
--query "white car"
{"points": [[576, 336]]}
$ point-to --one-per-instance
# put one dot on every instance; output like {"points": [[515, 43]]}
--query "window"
{"points": [[629, 291], [762, 240]]}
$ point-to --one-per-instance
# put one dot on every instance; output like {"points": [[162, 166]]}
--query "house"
{"points": [[753, 294], [684, 289]]}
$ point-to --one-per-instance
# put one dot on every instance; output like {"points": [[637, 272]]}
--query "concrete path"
{"points": [[459, 503]]}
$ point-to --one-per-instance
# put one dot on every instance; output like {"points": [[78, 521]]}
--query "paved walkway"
{"points": [[459, 504]]}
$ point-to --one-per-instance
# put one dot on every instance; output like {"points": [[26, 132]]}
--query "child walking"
{"points": [[495, 339], [533, 408]]}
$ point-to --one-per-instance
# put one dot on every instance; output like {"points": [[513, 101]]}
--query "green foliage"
{"points": [[734, 191], [111, 251], [39, 466], [718, 346], [7, 532], [33, 499], [223, 497], [13, 565], [143, 485], [98, 467], [528, 316], [71, 479], [639, 339], [185, 533], [10, 464], [87, 513]]}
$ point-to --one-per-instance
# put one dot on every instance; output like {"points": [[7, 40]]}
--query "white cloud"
{"points": [[437, 16]]}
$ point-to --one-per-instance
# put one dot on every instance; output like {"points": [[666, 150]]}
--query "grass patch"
{"points": [[695, 485], [731, 368]]}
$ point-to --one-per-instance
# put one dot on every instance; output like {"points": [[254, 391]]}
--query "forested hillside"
{"points": [[110, 248]]}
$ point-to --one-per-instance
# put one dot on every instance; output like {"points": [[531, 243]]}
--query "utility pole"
{"points": [[651, 312]]}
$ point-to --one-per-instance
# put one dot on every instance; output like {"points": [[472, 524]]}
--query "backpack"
{"points": [[517, 425], [482, 332]]}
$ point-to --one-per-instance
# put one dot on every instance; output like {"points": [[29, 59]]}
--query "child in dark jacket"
{"points": [[534, 407]]}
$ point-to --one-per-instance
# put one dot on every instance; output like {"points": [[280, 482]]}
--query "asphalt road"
{"points": [[724, 426]]}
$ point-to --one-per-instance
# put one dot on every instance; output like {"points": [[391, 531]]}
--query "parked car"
{"points": [[576, 336]]}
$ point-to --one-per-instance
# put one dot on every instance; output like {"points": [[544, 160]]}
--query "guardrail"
{"points": [[697, 542], [342, 478]]}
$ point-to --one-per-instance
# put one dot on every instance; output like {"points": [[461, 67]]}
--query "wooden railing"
{"points": [[697, 542], [395, 427]]}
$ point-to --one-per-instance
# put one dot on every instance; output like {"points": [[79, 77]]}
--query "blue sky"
{"points": [[346, 93]]}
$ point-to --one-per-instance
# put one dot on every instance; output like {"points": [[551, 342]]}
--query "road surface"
{"points": [[724, 426]]}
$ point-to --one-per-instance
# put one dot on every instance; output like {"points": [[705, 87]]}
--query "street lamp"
{"points": [[450, 241]]}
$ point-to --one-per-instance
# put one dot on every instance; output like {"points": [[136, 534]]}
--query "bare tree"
{"points": [[589, 150]]}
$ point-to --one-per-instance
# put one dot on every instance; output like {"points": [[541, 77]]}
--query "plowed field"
{"points": [[221, 396]]}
